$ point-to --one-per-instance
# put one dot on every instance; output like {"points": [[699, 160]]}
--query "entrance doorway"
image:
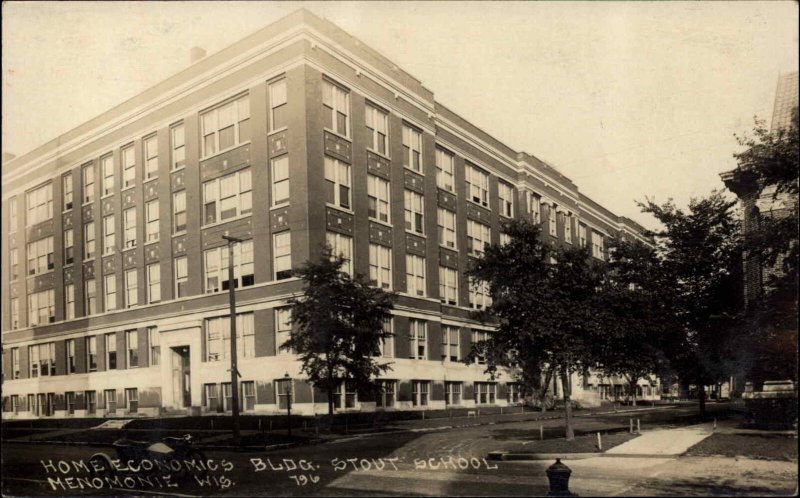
{"points": [[181, 377]]}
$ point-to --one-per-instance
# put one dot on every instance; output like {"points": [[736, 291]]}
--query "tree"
{"points": [[634, 312], [339, 326], [544, 301], [699, 250]]}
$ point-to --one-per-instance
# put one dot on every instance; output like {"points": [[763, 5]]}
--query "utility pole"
{"points": [[234, 366]]}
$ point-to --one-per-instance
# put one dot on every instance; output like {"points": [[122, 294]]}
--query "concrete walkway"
{"points": [[666, 442]]}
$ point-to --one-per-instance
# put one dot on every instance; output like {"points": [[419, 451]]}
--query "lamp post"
{"points": [[234, 367], [288, 382]]}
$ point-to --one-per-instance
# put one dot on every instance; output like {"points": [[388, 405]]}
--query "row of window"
{"points": [[43, 404]]}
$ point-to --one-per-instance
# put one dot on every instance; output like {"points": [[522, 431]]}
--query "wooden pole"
{"points": [[638, 426], [599, 442], [541, 433]]}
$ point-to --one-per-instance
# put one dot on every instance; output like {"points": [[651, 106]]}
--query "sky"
{"points": [[627, 99]]}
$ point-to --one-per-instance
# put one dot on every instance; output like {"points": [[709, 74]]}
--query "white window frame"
{"points": [[13, 260], [178, 211], [279, 177], [128, 155], [278, 99], [338, 176], [91, 351], [41, 307], [380, 266], [110, 291], [448, 236], [150, 156], [132, 348], [14, 304], [412, 148], [110, 340], [107, 170], [451, 342], [448, 285], [445, 170], [132, 399], [90, 297], [345, 396], [109, 235], [215, 266], [379, 199], [582, 235], [41, 258], [66, 192], [414, 206], [505, 239], [153, 346], [386, 344], [387, 397], [476, 337], [177, 138], [87, 176], [453, 393], [341, 245], [69, 246], [478, 236], [13, 215], [153, 274], [210, 127], [245, 336], [568, 228], [181, 276], [415, 275], [377, 122], [479, 295], [89, 241], [420, 392], [131, 288], [336, 103], [477, 185], [283, 330], [506, 195], [237, 198], [129, 227], [282, 255], [152, 224], [40, 204], [69, 301], [418, 337], [552, 220]]}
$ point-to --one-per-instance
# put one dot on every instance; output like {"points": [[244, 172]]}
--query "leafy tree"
{"points": [[635, 314], [545, 310], [339, 328], [699, 251]]}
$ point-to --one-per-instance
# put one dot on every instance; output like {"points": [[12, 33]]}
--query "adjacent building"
{"points": [[114, 274]]}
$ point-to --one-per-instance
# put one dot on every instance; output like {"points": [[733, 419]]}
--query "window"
{"points": [[14, 400], [418, 335], [227, 197], [452, 393], [88, 241], [227, 397], [536, 208], [277, 105], [568, 228], [345, 396], [40, 204], [177, 144], [216, 266], [179, 211], [66, 190], [445, 167], [415, 212], [13, 219], [107, 169], [128, 167], [69, 298], [283, 329], [387, 342], [514, 393], [446, 220], [129, 226], [551, 219], [506, 195], [248, 395], [13, 257], [110, 396], [91, 402], [111, 351], [280, 180], [69, 247], [32, 405], [132, 346], [181, 277], [151, 221], [226, 126], [504, 239], [450, 343], [448, 285], [477, 185], [336, 108], [412, 148], [282, 251], [283, 391], [109, 228], [218, 337], [484, 393], [132, 399], [15, 371], [597, 245], [478, 236], [150, 157], [377, 129], [341, 245], [41, 308], [14, 313], [479, 296], [380, 266], [70, 349], [110, 289], [420, 392], [70, 401], [415, 274], [378, 195], [387, 396], [478, 337], [42, 359], [90, 295], [131, 288], [40, 256], [91, 354], [337, 183], [154, 343], [582, 235], [153, 283], [211, 397], [88, 183]]}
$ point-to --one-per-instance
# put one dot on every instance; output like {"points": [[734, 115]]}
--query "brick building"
{"points": [[114, 271]]}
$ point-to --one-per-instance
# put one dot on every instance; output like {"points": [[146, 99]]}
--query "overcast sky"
{"points": [[626, 99]]}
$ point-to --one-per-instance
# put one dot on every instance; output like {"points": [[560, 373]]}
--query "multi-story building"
{"points": [[114, 274]]}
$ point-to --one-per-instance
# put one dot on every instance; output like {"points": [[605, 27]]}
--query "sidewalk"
{"points": [[664, 442]]}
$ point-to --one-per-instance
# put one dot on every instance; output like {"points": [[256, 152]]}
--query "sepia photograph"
{"points": [[399, 248]]}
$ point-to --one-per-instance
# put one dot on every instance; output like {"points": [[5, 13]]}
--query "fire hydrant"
{"points": [[558, 475]]}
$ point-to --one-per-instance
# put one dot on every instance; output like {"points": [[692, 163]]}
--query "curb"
{"points": [[501, 456]]}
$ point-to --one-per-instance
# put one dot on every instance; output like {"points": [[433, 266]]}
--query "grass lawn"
{"points": [[581, 444], [763, 447]]}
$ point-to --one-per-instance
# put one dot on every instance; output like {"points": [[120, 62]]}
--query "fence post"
{"points": [[541, 432], [638, 426], [630, 423], [599, 442]]}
